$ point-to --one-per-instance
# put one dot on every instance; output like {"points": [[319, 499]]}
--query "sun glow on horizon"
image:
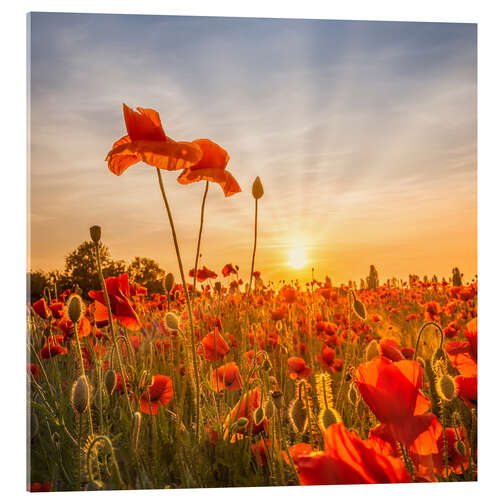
{"points": [[297, 258]]}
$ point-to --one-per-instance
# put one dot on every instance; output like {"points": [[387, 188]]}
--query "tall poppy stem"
{"points": [[199, 239], [251, 275], [112, 325], [420, 334], [188, 303]]}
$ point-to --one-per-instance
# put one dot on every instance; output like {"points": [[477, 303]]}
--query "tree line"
{"points": [[80, 271]]}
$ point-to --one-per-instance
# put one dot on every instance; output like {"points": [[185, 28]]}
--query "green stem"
{"points": [[188, 303], [199, 239], [112, 326], [244, 340], [420, 334]]}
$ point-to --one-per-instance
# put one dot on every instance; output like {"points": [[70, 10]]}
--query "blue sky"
{"points": [[363, 133]]}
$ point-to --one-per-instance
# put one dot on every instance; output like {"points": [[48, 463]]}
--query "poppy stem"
{"points": [[199, 240], [112, 326], [188, 303], [420, 334], [245, 333]]}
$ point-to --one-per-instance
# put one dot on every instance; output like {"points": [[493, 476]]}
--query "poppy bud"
{"points": [[277, 399], [257, 189], [353, 394], [168, 282], [172, 321], [80, 395], [460, 447], [266, 365], [136, 429], [438, 358], [241, 423], [75, 308], [446, 388], [269, 409], [371, 350], [258, 415], [329, 417], [218, 286], [110, 381], [298, 415], [95, 233]]}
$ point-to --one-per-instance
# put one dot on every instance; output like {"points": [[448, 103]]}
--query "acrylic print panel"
{"points": [[252, 252]]}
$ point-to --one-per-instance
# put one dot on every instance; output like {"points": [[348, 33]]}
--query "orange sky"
{"points": [[364, 136]]}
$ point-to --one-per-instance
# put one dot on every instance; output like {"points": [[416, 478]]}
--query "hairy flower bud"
{"points": [[329, 417], [136, 429], [241, 423], [95, 233], [298, 415], [359, 309], [277, 397], [80, 395], [269, 409], [168, 282], [257, 189], [110, 381], [446, 388], [172, 321], [258, 415], [75, 308], [371, 350]]}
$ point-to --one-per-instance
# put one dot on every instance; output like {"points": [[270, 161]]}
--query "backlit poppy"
{"points": [[213, 346], [160, 392], [146, 141], [297, 368], [227, 377], [211, 167], [119, 298], [40, 307]]}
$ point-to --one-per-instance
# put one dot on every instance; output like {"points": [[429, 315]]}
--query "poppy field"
{"points": [[225, 380]]}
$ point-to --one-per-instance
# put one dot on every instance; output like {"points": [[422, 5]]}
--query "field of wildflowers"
{"points": [[226, 380]]}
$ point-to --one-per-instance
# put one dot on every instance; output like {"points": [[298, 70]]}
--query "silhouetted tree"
{"points": [[146, 272]]}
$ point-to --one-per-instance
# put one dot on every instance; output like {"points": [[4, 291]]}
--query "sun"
{"points": [[297, 258]]}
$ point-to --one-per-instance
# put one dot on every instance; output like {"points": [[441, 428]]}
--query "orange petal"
{"points": [[222, 177], [145, 124], [213, 155], [165, 155]]}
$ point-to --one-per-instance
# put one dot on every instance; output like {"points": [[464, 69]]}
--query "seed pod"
{"points": [[269, 409], [329, 417], [95, 233], [172, 321], [446, 388], [75, 308], [258, 415], [359, 309], [371, 350], [80, 394], [110, 381], [277, 397], [136, 429], [257, 188], [266, 365], [168, 282], [298, 415]]}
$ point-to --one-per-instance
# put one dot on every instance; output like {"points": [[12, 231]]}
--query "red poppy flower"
{"points": [[66, 326], [297, 368], [227, 270], [40, 487], [390, 349], [427, 452], [146, 141], [392, 391], [203, 274], [119, 383], [34, 369], [40, 307], [249, 402], [467, 389], [211, 167], [121, 307], [432, 311], [214, 346], [160, 392], [57, 309], [227, 377], [52, 347], [348, 459], [290, 294]]}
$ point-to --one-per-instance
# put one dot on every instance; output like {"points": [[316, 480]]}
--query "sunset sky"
{"points": [[363, 133]]}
